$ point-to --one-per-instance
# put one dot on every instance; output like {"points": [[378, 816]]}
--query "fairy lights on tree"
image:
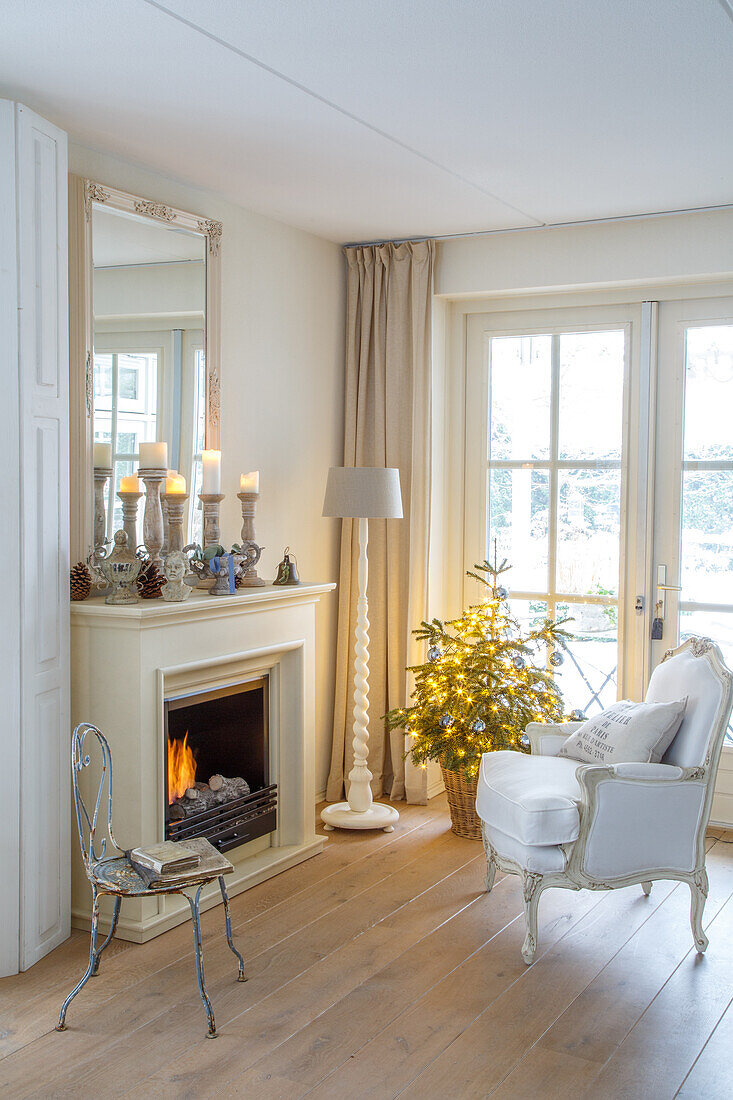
{"points": [[484, 680]]}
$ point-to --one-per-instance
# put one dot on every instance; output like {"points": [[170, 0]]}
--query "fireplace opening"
{"points": [[217, 766]]}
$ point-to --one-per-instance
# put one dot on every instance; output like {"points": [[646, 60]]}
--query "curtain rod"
{"points": [[543, 225]]}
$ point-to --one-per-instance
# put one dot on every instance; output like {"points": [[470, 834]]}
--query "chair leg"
{"points": [[228, 923], [110, 934], [647, 888], [61, 1025], [699, 892], [199, 958], [531, 890], [490, 864]]}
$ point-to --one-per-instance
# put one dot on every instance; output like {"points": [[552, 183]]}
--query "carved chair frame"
{"points": [[590, 777], [83, 194]]}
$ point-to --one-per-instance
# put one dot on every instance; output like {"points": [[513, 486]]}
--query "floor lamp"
{"points": [[363, 493]]}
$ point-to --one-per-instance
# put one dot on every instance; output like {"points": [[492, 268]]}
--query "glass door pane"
{"points": [[555, 444], [694, 472]]}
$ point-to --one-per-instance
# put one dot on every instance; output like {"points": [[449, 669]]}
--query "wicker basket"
{"points": [[462, 804]]}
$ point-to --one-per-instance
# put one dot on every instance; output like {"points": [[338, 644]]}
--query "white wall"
{"points": [[282, 387], [678, 247]]}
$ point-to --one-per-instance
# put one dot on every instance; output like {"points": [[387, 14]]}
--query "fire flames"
{"points": [[181, 769]]}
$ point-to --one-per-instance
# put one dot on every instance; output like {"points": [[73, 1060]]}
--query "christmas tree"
{"points": [[483, 682]]}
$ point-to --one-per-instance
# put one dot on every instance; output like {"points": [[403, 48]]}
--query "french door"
{"points": [[599, 461], [551, 407], [693, 517]]}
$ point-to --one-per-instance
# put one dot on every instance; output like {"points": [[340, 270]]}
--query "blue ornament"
{"points": [[446, 721], [524, 740], [576, 716], [500, 593], [519, 663], [556, 659], [435, 653], [478, 726]]}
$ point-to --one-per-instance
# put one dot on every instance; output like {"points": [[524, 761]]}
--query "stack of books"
{"points": [[173, 864]]}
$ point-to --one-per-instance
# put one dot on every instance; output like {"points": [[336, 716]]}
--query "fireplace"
{"points": [[217, 775]]}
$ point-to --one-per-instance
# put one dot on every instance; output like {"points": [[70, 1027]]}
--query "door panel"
{"points": [[693, 526], [546, 477]]}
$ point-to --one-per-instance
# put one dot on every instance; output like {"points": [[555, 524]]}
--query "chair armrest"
{"points": [[638, 818], [546, 738], [637, 770]]}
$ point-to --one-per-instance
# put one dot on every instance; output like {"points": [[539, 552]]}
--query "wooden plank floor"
{"points": [[381, 968]]}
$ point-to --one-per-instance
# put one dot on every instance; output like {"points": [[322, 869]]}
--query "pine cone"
{"points": [[150, 581], [80, 580]]}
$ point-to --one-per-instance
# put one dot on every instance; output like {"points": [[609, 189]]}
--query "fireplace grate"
{"points": [[234, 822]]}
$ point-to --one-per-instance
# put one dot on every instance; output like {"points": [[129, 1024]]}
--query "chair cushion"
{"points": [[532, 798], [543, 859], [626, 733]]}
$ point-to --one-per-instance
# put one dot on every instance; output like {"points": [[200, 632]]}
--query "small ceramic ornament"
{"points": [[175, 568], [120, 568]]}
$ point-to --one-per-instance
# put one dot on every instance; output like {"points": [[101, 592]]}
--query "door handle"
{"points": [[662, 587]]}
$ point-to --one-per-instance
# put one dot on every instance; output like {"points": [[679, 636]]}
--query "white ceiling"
{"points": [[121, 240], [364, 119]]}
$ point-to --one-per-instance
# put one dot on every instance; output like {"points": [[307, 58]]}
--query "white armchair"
{"points": [[555, 822]]}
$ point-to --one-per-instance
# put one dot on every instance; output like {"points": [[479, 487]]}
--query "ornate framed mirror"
{"points": [[144, 290]]}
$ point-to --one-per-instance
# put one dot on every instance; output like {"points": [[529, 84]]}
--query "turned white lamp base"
{"points": [[360, 812], [378, 816]]}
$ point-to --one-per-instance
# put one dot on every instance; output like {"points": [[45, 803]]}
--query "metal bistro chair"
{"points": [[115, 875]]}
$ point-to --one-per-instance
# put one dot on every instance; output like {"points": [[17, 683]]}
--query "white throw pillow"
{"points": [[626, 733]]}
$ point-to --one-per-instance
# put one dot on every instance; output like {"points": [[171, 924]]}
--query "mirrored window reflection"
{"points": [[149, 299], [125, 412]]}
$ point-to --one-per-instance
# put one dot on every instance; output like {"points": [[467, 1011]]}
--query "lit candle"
{"points": [[153, 456], [175, 483], [250, 483], [102, 456], [130, 484], [211, 461]]}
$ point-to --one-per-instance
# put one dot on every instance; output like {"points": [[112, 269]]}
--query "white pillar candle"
{"points": [[175, 484], [250, 483], [102, 456], [153, 456], [211, 461], [130, 484]]}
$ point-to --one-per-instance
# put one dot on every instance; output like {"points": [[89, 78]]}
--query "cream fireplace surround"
{"points": [[126, 661]]}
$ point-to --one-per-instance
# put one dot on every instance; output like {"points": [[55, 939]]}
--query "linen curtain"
{"points": [[387, 423]]}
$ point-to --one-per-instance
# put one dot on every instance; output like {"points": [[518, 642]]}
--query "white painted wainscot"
{"points": [[125, 661]]}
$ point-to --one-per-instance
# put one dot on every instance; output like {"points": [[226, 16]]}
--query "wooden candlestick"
{"points": [[210, 503], [176, 503], [102, 474], [153, 515], [249, 507], [129, 517]]}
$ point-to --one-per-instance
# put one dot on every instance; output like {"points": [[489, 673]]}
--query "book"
{"points": [[165, 858], [211, 865]]}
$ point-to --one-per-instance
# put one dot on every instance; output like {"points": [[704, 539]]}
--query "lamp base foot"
{"points": [[378, 816]]}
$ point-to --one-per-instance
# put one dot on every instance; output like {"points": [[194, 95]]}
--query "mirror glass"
{"points": [[149, 302]]}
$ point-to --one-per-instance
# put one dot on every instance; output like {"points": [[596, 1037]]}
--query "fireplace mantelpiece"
{"points": [[125, 661]]}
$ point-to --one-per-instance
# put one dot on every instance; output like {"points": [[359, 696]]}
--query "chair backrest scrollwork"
{"points": [[95, 833]]}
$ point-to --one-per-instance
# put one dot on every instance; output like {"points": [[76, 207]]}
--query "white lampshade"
{"points": [[363, 492]]}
